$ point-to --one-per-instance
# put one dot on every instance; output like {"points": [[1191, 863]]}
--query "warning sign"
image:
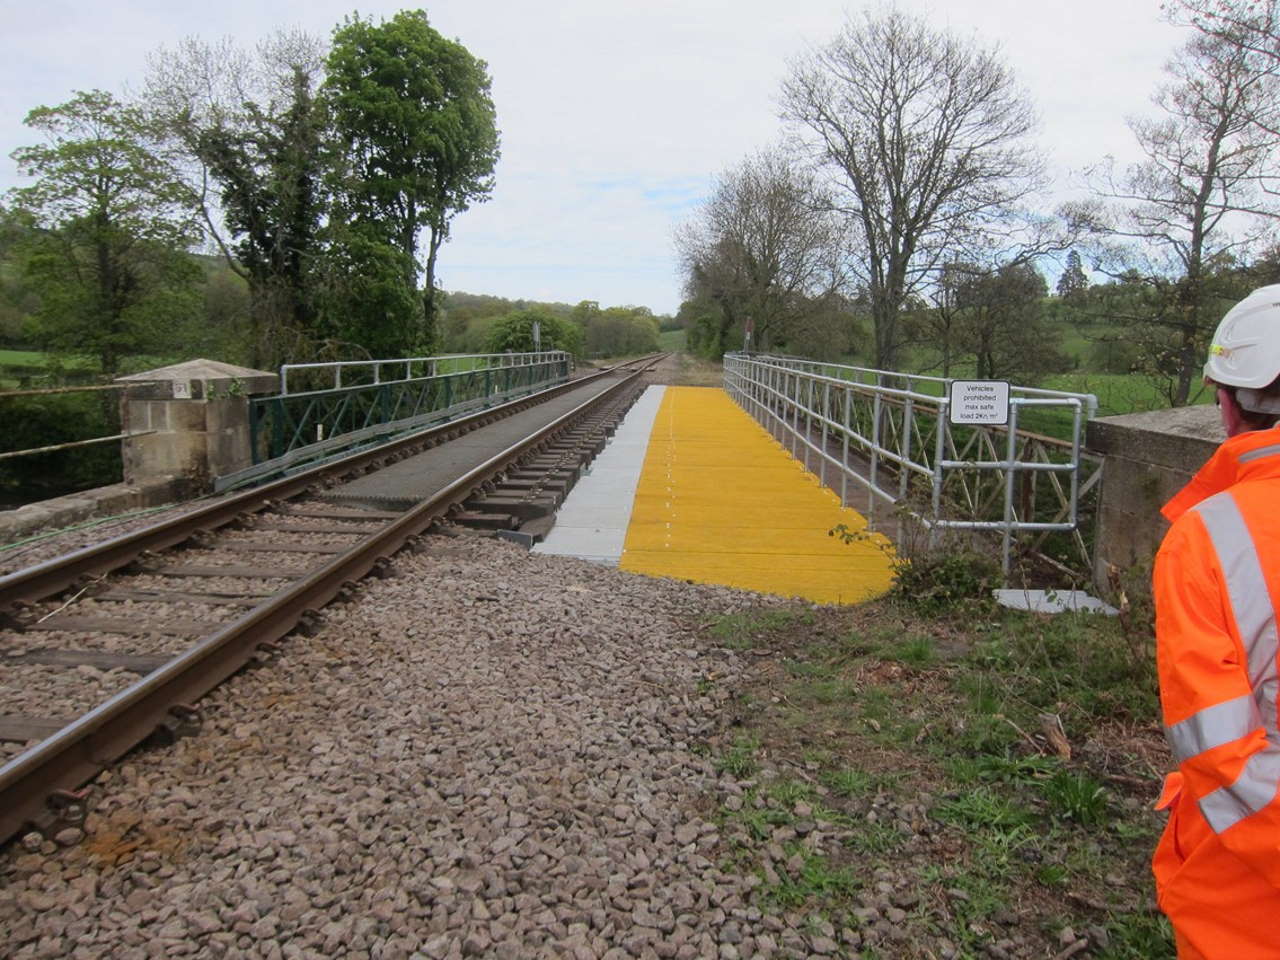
{"points": [[979, 401]]}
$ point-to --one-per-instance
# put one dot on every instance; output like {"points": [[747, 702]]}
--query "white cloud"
{"points": [[615, 115]]}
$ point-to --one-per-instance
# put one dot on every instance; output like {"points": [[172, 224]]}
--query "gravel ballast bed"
{"points": [[489, 754]]}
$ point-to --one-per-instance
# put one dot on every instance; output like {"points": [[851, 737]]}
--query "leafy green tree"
{"points": [[364, 295], [514, 333], [256, 138], [109, 258], [621, 331], [18, 299], [1073, 283], [1002, 322], [413, 113]]}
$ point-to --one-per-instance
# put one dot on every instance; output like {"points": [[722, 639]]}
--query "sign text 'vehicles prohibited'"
{"points": [[979, 401]]}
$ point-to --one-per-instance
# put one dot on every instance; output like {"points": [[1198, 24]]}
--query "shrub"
{"points": [[938, 583], [514, 332]]}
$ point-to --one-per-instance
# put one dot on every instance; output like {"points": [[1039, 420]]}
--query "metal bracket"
{"points": [[62, 809], [183, 720], [309, 623]]}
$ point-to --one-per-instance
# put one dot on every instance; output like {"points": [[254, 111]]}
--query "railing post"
{"points": [[875, 440], [908, 420], [795, 411], [844, 455], [826, 415], [1010, 459], [939, 451]]}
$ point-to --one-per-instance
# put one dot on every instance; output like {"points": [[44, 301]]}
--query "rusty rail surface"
{"points": [[36, 787]]}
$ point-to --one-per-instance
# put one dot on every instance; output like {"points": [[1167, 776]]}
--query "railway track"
{"points": [[114, 644]]}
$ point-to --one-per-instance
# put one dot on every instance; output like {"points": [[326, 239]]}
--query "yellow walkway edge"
{"points": [[720, 501]]}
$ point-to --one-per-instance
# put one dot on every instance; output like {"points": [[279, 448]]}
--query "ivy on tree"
{"points": [[254, 135]]}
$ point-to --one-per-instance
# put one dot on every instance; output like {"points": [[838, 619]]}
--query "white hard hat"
{"points": [[1245, 351]]}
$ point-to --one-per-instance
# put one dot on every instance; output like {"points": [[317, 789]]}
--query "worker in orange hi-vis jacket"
{"points": [[1217, 587]]}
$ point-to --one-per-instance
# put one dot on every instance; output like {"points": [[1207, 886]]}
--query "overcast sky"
{"points": [[615, 116]]}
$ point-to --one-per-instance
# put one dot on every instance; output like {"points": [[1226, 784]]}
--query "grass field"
{"points": [[672, 341]]}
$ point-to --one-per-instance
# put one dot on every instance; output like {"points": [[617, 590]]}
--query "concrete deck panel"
{"points": [[430, 472], [720, 501], [592, 523]]}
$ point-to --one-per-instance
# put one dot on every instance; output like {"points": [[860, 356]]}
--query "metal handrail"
{"points": [[1089, 400], [32, 451], [310, 421], [491, 361], [900, 432]]}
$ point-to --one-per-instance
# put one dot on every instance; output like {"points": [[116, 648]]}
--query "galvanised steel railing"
{"points": [[331, 375], [290, 429], [890, 433]]}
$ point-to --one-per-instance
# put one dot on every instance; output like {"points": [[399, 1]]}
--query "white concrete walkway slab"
{"points": [[592, 522]]}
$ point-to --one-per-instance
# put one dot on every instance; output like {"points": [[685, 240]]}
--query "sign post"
{"points": [[979, 402]]}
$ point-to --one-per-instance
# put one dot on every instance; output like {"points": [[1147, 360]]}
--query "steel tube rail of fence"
{"points": [[293, 429], [430, 365], [882, 429]]}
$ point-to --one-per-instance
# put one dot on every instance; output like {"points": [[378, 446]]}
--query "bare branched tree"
{"points": [[926, 136], [1253, 25], [1199, 201], [764, 248]]}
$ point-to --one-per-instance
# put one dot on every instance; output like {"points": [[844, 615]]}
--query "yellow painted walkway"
{"points": [[720, 501]]}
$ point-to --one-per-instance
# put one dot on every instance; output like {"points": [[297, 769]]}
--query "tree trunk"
{"points": [[430, 305]]}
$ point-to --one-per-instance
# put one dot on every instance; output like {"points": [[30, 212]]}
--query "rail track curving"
{"points": [[150, 621]]}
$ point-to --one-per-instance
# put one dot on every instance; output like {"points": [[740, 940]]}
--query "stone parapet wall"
{"points": [[188, 423], [191, 420], [1147, 458], [99, 503]]}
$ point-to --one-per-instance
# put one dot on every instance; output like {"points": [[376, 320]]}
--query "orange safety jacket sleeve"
{"points": [[1216, 655]]}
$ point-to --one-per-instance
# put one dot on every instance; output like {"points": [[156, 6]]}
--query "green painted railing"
{"points": [[291, 428]]}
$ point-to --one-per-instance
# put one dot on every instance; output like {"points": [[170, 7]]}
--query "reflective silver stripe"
{"points": [[1258, 454], [1250, 602], [1253, 790], [1213, 726], [1255, 619]]}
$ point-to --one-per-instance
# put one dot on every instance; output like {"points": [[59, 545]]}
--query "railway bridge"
{"points": [[453, 745], [739, 486]]}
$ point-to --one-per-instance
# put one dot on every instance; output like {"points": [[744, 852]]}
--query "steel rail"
{"points": [[59, 573], [82, 749]]}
